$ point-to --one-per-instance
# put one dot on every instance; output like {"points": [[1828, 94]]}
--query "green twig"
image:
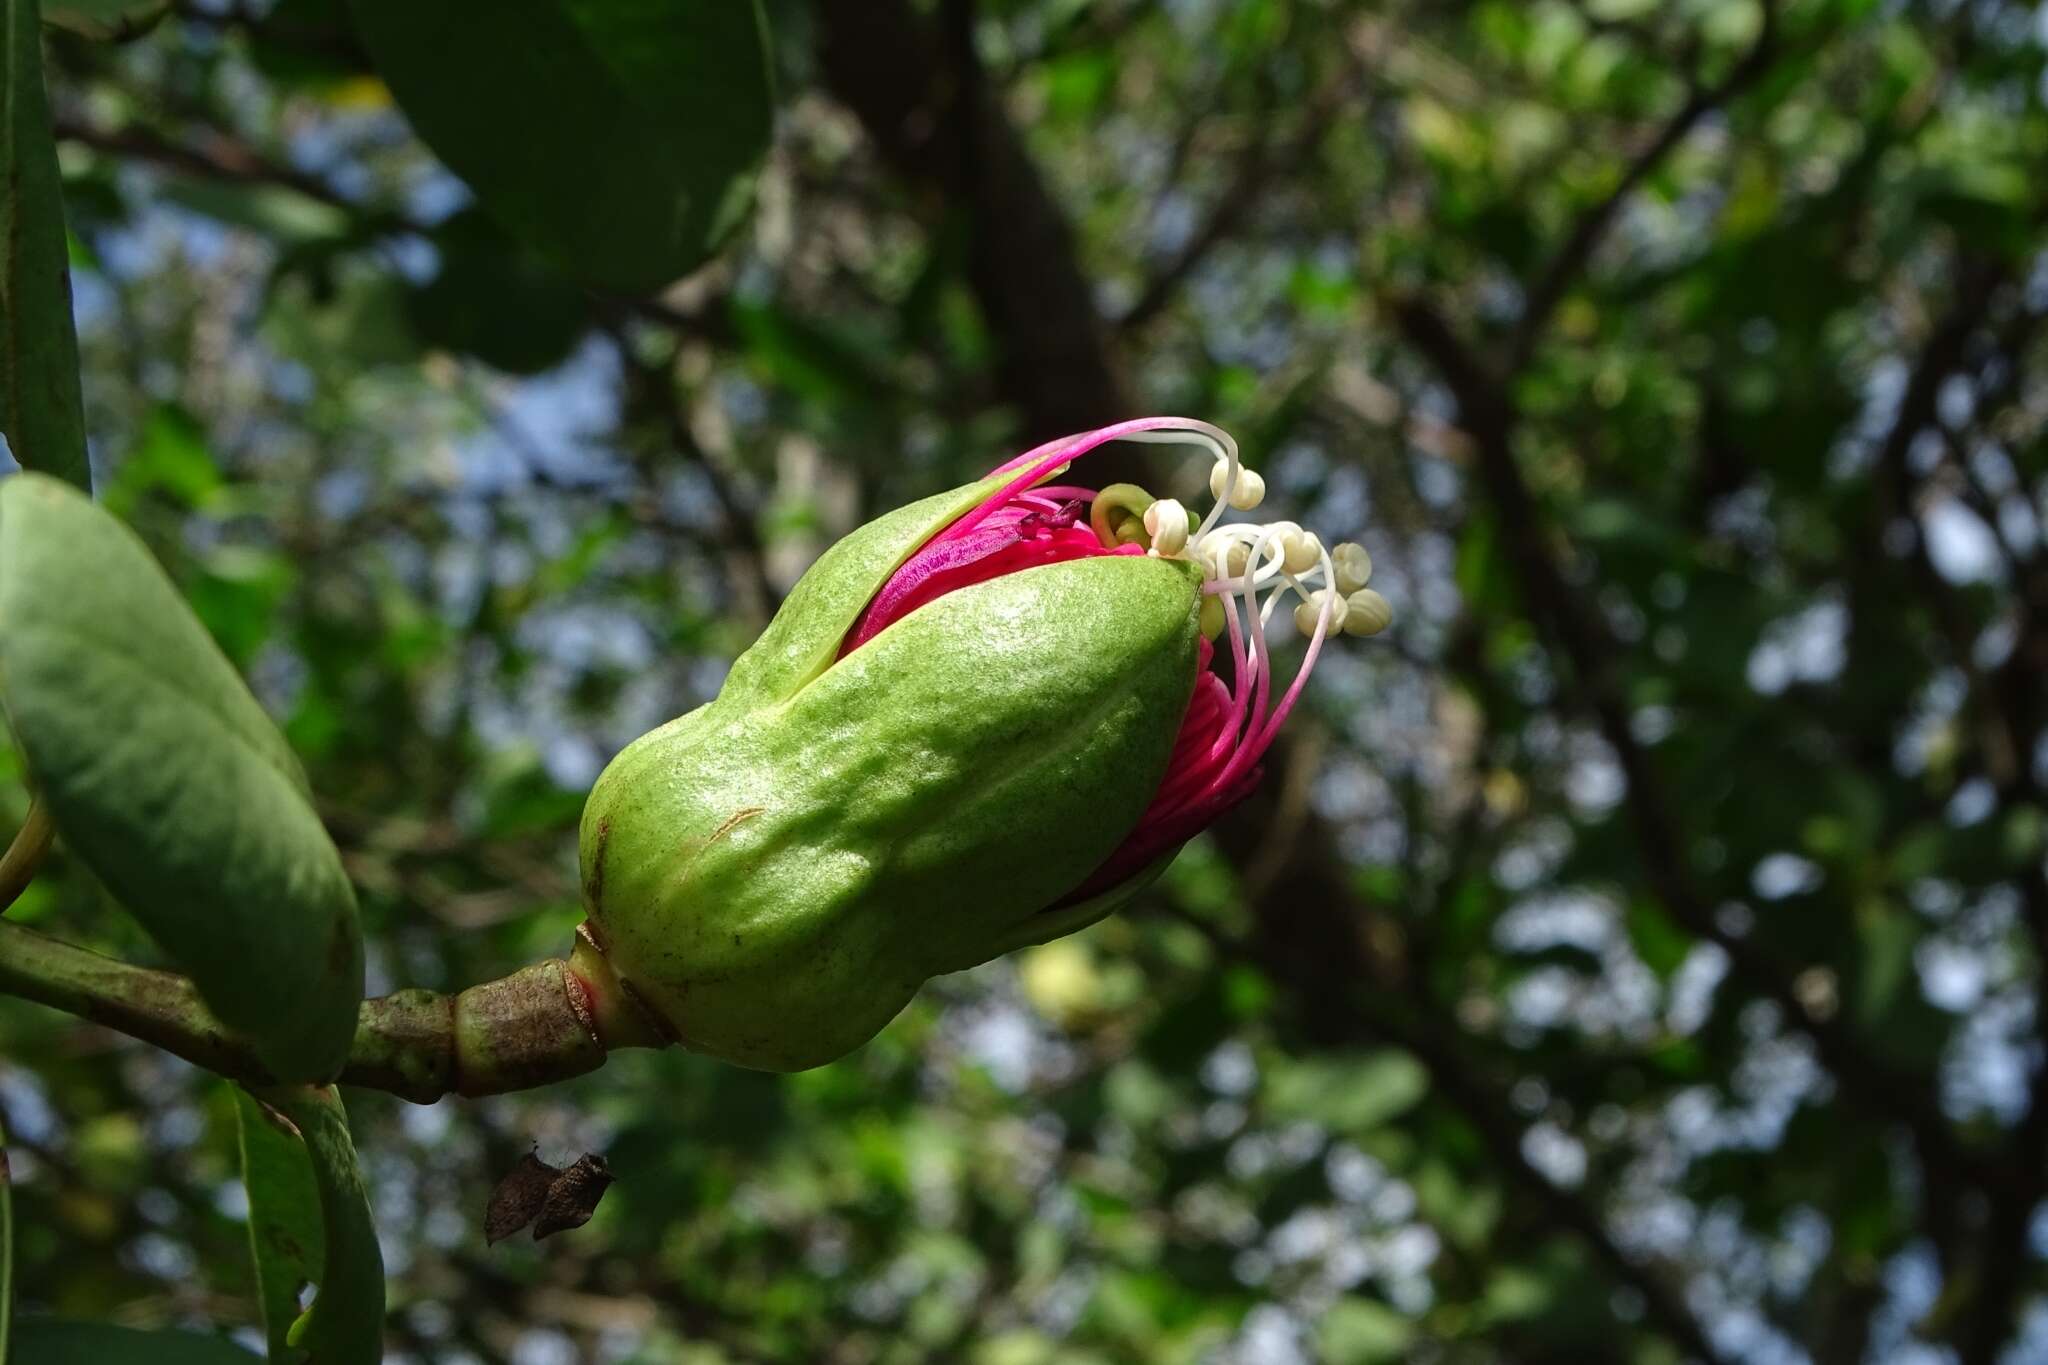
{"points": [[19, 863], [541, 1024]]}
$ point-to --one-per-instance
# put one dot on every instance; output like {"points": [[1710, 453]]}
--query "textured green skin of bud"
{"points": [[776, 873]]}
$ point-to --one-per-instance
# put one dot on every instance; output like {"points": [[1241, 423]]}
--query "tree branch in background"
{"points": [[948, 140], [1987, 1316], [653, 388], [1311, 933], [1262, 162], [220, 156], [1556, 278], [226, 159], [1486, 412], [1454, 1079], [884, 65]]}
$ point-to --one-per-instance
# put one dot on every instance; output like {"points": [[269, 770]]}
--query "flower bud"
{"points": [[979, 722]]}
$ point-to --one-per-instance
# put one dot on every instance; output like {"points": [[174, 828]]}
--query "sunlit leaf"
{"points": [[1348, 1094], [166, 778]]}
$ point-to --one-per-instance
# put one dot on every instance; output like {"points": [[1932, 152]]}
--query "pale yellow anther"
{"points": [[1306, 615], [1368, 613], [1302, 552], [1237, 559], [1247, 493], [1218, 474], [1166, 521], [1353, 566], [1212, 617]]}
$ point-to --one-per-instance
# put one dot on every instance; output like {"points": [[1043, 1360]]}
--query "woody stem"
{"points": [[540, 1024]]}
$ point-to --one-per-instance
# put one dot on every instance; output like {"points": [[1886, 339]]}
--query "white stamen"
{"points": [[1320, 601], [1354, 566], [1249, 492], [1367, 613], [1250, 570], [1219, 442], [1302, 552], [1166, 521]]}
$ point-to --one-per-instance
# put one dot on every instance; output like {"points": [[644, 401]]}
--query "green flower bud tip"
{"points": [[979, 722]]}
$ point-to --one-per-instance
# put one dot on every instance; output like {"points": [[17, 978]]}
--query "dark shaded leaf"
{"points": [[106, 20], [620, 139], [41, 410], [44, 1342], [497, 301]]}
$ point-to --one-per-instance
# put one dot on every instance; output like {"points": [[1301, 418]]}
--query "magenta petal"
{"points": [[1006, 541]]}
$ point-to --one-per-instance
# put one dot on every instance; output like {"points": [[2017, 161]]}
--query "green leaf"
{"points": [[1356, 1331], [1347, 1094], [106, 20], [285, 1230], [43, 1342], [345, 1325], [620, 137], [496, 301], [167, 779], [291, 216], [41, 411]]}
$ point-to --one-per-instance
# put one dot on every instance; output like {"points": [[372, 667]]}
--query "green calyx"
{"points": [[774, 875]]}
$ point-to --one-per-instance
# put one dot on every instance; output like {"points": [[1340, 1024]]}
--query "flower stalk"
{"points": [[540, 1024]]}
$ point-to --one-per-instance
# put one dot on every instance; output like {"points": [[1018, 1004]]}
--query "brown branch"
{"points": [[218, 157], [1345, 975], [2002, 1261], [1564, 268], [1262, 162], [655, 387], [1874, 1084], [947, 139], [1456, 1080]]}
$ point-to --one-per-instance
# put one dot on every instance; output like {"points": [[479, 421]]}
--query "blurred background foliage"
{"points": [[1638, 955]]}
